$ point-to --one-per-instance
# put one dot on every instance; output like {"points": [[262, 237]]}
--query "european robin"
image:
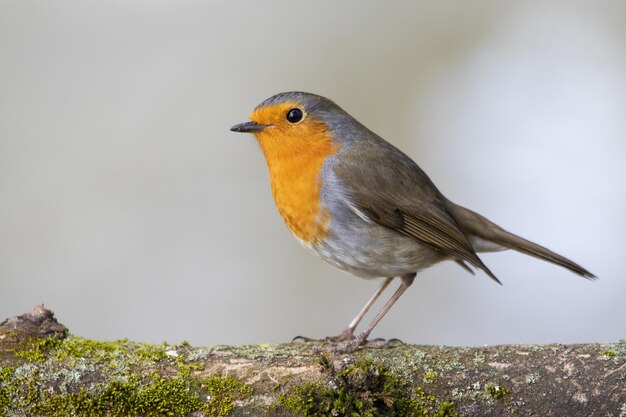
{"points": [[365, 207]]}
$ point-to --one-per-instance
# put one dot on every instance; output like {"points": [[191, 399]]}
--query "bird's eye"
{"points": [[294, 115]]}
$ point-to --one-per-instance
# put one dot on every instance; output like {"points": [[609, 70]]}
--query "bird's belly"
{"points": [[369, 250]]}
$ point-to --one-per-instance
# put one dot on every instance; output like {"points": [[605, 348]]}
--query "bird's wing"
{"points": [[394, 192], [426, 224]]}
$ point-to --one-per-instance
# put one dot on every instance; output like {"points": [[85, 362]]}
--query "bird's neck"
{"points": [[295, 166]]}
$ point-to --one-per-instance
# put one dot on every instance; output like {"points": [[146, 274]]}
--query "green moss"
{"points": [[479, 357], [430, 377], [615, 351], [163, 397], [222, 392], [496, 392], [185, 367], [6, 375], [106, 351], [81, 377], [364, 389], [158, 396], [35, 349], [74, 348]]}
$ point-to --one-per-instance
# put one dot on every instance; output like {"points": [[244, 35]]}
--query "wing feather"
{"points": [[394, 192]]}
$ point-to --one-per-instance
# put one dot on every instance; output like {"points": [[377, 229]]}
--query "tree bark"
{"points": [[45, 371]]}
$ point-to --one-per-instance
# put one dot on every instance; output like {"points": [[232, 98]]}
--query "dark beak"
{"points": [[248, 127]]}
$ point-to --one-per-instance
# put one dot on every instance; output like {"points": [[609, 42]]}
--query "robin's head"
{"points": [[294, 119], [295, 131]]}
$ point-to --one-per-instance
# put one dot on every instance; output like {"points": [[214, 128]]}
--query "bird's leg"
{"points": [[348, 333], [361, 339]]}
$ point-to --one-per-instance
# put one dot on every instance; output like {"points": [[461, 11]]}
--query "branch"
{"points": [[45, 371]]}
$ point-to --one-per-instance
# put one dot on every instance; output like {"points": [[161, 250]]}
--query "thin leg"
{"points": [[348, 333], [407, 280], [369, 304]]}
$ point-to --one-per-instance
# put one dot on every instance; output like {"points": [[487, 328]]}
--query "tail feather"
{"points": [[478, 226]]}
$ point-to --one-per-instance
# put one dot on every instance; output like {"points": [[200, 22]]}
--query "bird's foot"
{"points": [[347, 342], [344, 336], [360, 342]]}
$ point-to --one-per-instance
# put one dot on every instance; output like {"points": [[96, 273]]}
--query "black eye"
{"points": [[294, 115]]}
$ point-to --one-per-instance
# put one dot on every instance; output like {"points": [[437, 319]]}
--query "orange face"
{"points": [[282, 136], [295, 152]]}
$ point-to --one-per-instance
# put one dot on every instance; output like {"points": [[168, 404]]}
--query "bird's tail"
{"points": [[476, 226]]}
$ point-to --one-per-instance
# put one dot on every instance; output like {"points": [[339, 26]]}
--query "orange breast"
{"points": [[295, 163]]}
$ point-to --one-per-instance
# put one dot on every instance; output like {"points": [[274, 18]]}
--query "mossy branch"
{"points": [[44, 371]]}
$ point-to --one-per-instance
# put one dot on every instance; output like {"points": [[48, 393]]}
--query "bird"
{"points": [[364, 206]]}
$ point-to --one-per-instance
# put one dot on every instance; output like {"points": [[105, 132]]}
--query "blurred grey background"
{"points": [[128, 207]]}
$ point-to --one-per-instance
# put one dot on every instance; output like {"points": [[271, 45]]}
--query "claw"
{"points": [[305, 339], [344, 336]]}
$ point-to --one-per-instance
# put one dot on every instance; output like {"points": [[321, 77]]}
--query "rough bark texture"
{"points": [[45, 371]]}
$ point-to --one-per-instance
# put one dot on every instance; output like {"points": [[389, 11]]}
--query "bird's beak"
{"points": [[248, 127]]}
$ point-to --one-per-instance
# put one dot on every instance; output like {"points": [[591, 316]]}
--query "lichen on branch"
{"points": [[45, 371]]}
